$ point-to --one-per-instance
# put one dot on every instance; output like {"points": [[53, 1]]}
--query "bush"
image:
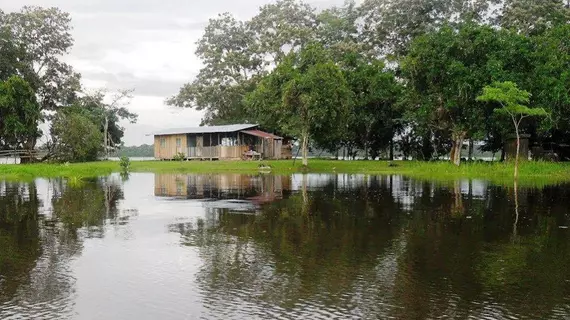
{"points": [[125, 163], [75, 138], [179, 157]]}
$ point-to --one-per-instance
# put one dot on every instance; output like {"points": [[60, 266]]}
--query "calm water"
{"points": [[282, 247]]}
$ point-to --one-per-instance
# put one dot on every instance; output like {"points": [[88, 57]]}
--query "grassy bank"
{"points": [[540, 172]]}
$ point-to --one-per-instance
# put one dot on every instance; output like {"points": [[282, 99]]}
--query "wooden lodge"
{"points": [[229, 142]]}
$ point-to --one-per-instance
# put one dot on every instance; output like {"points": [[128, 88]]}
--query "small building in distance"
{"points": [[228, 142]]}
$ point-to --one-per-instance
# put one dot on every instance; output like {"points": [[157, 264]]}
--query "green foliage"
{"points": [[390, 25], [75, 138], [107, 115], [282, 26], [125, 163], [415, 68], [306, 96], [39, 38], [33, 42], [534, 17], [511, 99], [448, 69], [19, 114], [551, 77], [513, 102], [230, 64], [237, 54], [179, 156], [375, 91]]}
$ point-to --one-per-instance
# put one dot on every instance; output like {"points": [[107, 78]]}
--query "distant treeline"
{"points": [[145, 150]]}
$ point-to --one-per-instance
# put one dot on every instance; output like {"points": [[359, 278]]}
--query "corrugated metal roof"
{"points": [[210, 129], [262, 134]]}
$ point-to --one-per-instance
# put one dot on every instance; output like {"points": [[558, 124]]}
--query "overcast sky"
{"points": [[147, 45]]}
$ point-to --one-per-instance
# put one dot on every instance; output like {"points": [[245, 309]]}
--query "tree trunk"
{"points": [[366, 143], [305, 147], [427, 150], [517, 156], [471, 149], [106, 136], [457, 144], [392, 149]]}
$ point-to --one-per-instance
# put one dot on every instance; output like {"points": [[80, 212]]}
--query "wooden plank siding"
{"points": [[214, 146], [167, 146]]}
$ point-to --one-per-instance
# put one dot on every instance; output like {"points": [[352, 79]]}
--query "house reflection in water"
{"points": [[232, 191]]}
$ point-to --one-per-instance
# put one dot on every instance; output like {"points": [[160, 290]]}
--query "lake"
{"points": [[230, 246]]}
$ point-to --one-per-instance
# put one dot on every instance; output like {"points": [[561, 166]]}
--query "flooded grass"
{"points": [[531, 173]]}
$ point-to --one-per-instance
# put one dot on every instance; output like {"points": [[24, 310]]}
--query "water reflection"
{"points": [[366, 247], [264, 246], [39, 240]]}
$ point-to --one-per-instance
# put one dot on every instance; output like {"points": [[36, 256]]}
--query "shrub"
{"points": [[125, 163], [75, 138], [179, 157]]}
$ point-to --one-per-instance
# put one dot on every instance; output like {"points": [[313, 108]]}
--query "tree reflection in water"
{"points": [[38, 240], [389, 246], [345, 246]]}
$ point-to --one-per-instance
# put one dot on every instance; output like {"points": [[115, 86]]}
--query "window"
{"points": [[178, 142], [163, 142]]}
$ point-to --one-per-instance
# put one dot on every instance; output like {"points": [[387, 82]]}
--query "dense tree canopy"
{"points": [[38, 85], [19, 114], [38, 39], [414, 69], [75, 138], [447, 70], [305, 96]]}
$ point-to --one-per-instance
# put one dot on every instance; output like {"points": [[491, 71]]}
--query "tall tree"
{"points": [[533, 17], [236, 53], [231, 62], [338, 30], [306, 96], [513, 102], [42, 37], [282, 27], [106, 110], [19, 115], [391, 25], [75, 138], [446, 70], [375, 93], [550, 82]]}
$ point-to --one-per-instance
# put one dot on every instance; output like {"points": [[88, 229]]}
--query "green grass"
{"points": [[539, 173]]}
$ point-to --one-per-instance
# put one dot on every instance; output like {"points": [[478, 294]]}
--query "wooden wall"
{"points": [[170, 149], [271, 149]]}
